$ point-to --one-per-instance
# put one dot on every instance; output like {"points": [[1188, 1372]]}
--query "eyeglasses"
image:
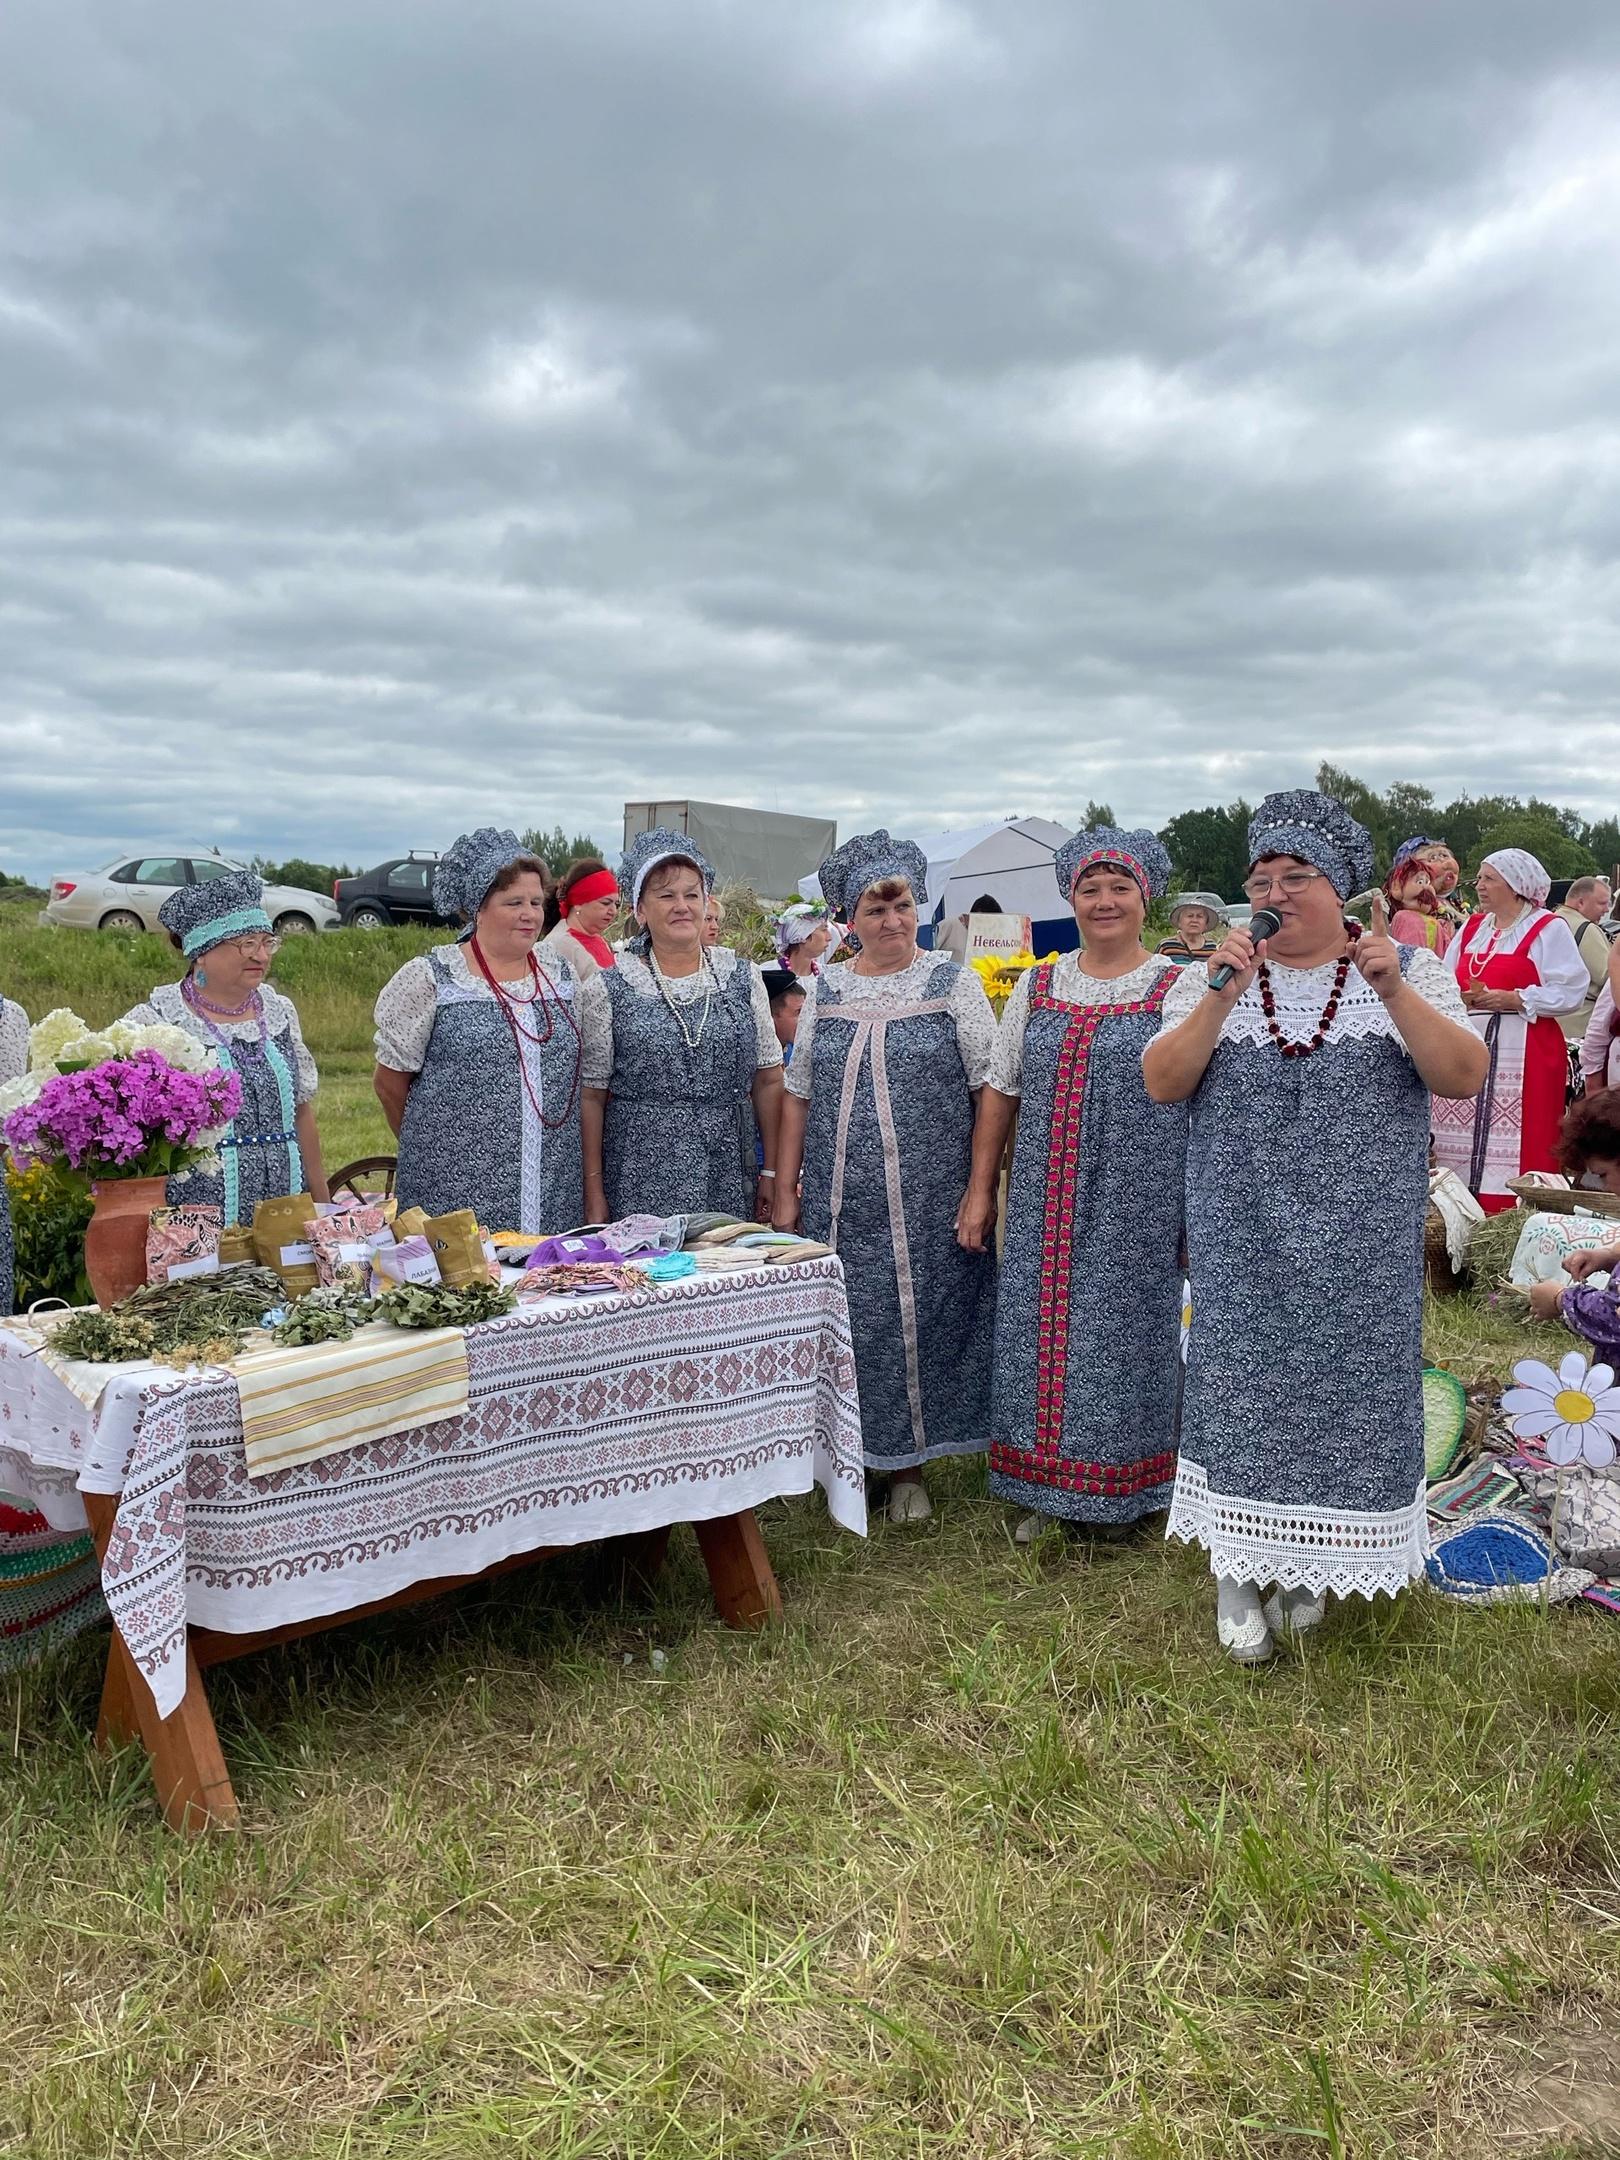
{"points": [[251, 947], [1291, 884]]}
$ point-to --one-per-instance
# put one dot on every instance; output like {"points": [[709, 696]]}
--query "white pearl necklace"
{"points": [[703, 968]]}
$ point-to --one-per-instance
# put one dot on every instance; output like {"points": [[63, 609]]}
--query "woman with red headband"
{"points": [[581, 909], [482, 1048]]}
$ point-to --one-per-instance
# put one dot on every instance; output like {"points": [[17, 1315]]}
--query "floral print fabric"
{"points": [[887, 1150], [1307, 1183], [1087, 1371]]}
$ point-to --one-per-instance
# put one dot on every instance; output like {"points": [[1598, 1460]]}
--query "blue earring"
{"points": [[202, 979]]}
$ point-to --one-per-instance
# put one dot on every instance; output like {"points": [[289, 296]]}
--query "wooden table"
{"points": [[615, 1418]]}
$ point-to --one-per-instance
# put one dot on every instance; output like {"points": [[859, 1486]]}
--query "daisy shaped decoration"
{"points": [[1575, 1410]]}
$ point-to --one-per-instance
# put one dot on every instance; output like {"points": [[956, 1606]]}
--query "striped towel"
{"points": [[320, 1398]]}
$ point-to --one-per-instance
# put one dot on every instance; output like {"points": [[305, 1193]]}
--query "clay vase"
{"points": [[115, 1239]]}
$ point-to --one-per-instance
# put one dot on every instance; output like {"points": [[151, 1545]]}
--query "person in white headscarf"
{"points": [[804, 934], [1519, 971]]}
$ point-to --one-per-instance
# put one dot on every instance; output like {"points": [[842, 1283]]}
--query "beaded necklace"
{"points": [[691, 1041], [1268, 1001], [507, 1005], [231, 1146]]}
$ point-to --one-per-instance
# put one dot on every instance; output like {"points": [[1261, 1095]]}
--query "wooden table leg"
{"points": [[745, 1592], [188, 1768], [636, 1558]]}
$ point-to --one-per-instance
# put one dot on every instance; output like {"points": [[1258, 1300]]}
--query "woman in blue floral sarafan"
{"points": [[886, 1084], [681, 1107], [1309, 1074], [225, 999], [483, 1046], [1087, 1372]]}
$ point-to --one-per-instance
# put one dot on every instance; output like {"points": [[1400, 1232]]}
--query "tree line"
{"points": [[1209, 847]]}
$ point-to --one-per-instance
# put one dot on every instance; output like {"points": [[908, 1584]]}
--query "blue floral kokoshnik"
{"points": [[1140, 853], [237, 923]]}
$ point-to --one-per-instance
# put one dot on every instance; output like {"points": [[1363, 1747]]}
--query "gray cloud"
{"points": [[898, 409]]}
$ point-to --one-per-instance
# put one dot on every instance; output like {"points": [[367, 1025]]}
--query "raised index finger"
{"points": [[1380, 916]]}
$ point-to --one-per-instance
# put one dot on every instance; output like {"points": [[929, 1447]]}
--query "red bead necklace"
{"points": [[1268, 1001], [537, 998]]}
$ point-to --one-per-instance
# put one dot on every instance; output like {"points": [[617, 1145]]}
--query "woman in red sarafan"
{"points": [[1518, 970]]}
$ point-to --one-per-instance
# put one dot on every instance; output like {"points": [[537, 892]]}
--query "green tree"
{"points": [[307, 876], [1559, 855], [1097, 813], [556, 850], [1210, 848]]}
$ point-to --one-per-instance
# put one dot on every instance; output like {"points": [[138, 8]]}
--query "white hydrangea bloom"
{"points": [[184, 1052], [22, 1090], [46, 1038], [90, 1048]]}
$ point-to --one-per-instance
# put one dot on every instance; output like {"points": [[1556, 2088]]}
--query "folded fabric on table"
{"points": [[320, 1398], [579, 1278]]}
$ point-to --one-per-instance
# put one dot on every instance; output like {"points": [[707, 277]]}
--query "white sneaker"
{"points": [[909, 1501], [1295, 1612], [1029, 1527], [1240, 1624]]}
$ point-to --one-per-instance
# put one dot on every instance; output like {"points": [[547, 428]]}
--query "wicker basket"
{"points": [[1562, 1199], [1437, 1270]]}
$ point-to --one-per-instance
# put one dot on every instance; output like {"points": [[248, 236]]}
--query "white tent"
{"points": [[1011, 864], [1010, 859]]}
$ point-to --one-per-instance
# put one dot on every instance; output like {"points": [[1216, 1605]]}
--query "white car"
{"points": [[126, 894]]}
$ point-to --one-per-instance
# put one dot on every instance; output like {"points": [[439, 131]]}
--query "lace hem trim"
{"points": [[1299, 1547]]}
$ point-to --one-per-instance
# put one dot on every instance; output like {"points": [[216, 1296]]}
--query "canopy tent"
{"points": [[1009, 861]]}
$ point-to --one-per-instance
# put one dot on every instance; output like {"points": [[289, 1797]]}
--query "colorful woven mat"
{"points": [[50, 1585]]}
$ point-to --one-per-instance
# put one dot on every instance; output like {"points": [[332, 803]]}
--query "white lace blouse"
{"points": [[1071, 983], [1566, 981], [1301, 993], [971, 1012], [408, 1001], [13, 1041], [167, 1008]]}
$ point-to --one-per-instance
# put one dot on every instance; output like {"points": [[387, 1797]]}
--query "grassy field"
{"points": [[981, 1852]]}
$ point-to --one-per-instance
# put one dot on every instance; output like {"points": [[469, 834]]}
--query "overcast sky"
{"points": [[423, 412]]}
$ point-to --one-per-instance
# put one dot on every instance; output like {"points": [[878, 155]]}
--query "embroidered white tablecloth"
{"points": [[586, 1418]]}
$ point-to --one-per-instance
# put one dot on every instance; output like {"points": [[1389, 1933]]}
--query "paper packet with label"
{"points": [[281, 1239], [344, 1243], [462, 1248], [183, 1241], [407, 1260]]}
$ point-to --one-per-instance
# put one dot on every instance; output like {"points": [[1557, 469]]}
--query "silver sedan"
{"points": [[126, 894]]}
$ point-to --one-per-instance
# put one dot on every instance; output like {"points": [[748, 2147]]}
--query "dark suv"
{"points": [[397, 891]]}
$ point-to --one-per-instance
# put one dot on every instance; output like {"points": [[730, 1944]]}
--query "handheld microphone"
{"points": [[1265, 922]]}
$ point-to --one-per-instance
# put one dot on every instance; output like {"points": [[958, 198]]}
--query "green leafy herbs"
{"points": [[325, 1315], [429, 1305], [203, 1319]]}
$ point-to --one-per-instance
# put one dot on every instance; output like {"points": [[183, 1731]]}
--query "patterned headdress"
{"points": [[1140, 853], [647, 850], [1520, 870], [466, 871], [203, 916], [1320, 831], [865, 861]]}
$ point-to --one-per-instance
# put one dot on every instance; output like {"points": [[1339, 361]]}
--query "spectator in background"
{"points": [[580, 910], [1519, 973], [1583, 907], [786, 994], [711, 923], [1197, 921], [1600, 1045], [803, 933]]}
